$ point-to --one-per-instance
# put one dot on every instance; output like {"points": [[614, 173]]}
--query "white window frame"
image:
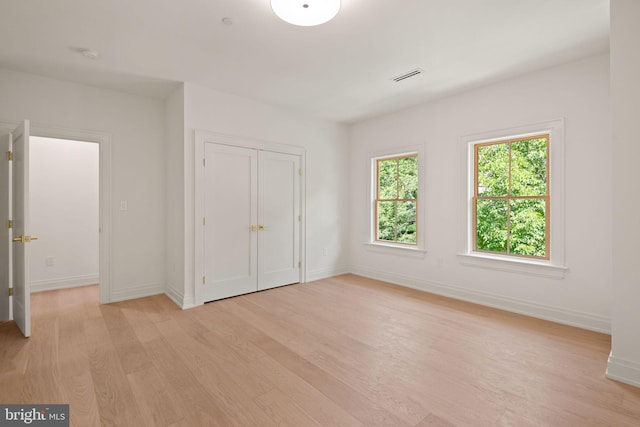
{"points": [[554, 267], [417, 250]]}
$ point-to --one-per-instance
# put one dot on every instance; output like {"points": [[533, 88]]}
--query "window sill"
{"points": [[399, 250], [513, 265]]}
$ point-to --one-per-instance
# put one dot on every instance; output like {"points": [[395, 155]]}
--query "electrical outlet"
{"points": [[324, 252], [49, 261], [123, 205]]}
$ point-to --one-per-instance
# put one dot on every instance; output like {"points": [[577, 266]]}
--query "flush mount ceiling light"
{"points": [[306, 13]]}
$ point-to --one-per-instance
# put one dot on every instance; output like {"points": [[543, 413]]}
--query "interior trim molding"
{"points": [[63, 283], [104, 140], [323, 273], [513, 265], [578, 319], [138, 292], [182, 301], [625, 371]]}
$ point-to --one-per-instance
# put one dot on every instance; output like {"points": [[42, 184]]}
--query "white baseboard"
{"points": [[323, 273], [555, 314], [63, 282], [182, 301], [174, 295], [189, 301], [623, 370], [137, 292]]}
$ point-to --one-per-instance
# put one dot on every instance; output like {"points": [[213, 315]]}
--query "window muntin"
{"points": [[511, 197], [396, 200]]}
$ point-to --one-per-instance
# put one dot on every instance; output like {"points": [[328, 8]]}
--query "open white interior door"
{"points": [[5, 236], [21, 237]]}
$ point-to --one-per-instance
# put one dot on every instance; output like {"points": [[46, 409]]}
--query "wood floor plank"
{"points": [[206, 358], [42, 374], [14, 356], [116, 401], [242, 409], [194, 402], [238, 336], [489, 376], [344, 351], [393, 395], [369, 412], [155, 402], [433, 420], [135, 313], [366, 362], [127, 345], [234, 361], [77, 380], [14, 349], [281, 329], [282, 411]]}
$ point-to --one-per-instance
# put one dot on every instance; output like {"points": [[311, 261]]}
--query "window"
{"points": [[512, 191], [396, 199], [511, 196]]}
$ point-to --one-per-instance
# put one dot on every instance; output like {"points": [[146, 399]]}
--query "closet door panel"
{"points": [[231, 214], [279, 219]]}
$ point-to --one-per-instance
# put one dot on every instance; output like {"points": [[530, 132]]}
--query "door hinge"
{"points": [[10, 292], [9, 155], [300, 171], [203, 280], [299, 264], [204, 221], [204, 162], [9, 223], [299, 218]]}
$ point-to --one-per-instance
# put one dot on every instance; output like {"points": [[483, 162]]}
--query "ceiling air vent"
{"points": [[408, 74]]}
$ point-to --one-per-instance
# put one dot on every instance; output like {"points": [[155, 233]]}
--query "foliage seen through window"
{"points": [[397, 199], [511, 200]]}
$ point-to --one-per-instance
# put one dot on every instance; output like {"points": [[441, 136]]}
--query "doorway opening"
{"points": [[15, 272], [64, 211]]}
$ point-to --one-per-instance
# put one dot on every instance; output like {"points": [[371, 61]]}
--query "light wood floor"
{"points": [[345, 351]]}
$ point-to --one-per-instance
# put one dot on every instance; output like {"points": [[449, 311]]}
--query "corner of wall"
{"points": [[137, 292], [179, 298], [174, 186], [625, 371]]}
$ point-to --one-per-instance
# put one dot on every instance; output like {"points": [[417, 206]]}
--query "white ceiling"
{"points": [[340, 70]]}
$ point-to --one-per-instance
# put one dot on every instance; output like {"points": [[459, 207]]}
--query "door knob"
{"points": [[25, 239], [253, 228], [261, 227]]}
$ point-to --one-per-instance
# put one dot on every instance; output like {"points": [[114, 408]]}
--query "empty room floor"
{"points": [[344, 351]]}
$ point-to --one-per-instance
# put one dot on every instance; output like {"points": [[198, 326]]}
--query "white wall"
{"points": [[174, 202], [624, 362], [63, 213], [326, 171], [578, 92], [136, 126]]}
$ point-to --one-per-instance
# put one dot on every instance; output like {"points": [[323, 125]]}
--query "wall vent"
{"points": [[412, 73]]}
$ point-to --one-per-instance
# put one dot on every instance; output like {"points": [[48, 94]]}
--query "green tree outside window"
{"points": [[397, 199], [511, 197]]}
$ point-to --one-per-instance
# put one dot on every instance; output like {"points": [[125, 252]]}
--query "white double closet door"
{"points": [[252, 220]]}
